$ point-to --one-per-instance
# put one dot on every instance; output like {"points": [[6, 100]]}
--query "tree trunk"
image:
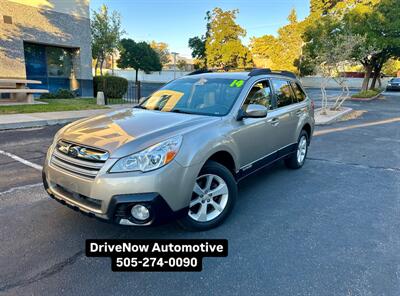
{"points": [[377, 73], [101, 66], [367, 76], [136, 76]]}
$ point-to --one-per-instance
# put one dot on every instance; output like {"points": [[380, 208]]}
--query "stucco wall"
{"points": [[33, 24], [74, 7]]}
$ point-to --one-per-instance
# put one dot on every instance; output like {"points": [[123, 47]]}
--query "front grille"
{"points": [[77, 166]]}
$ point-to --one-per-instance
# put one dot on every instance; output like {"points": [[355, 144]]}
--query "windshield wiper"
{"points": [[139, 107], [180, 111]]}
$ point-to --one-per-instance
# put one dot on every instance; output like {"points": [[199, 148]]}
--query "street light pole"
{"points": [[174, 54]]}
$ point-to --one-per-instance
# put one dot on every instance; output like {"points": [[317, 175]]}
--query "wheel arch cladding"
{"points": [[307, 129], [226, 159]]}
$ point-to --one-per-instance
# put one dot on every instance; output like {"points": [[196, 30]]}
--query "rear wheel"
{"points": [[297, 159], [214, 195]]}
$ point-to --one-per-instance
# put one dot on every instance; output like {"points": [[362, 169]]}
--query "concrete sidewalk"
{"points": [[14, 121]]}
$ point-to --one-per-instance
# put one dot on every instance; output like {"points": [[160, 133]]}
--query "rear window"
{"points": [[283, 92], [298, 92]]}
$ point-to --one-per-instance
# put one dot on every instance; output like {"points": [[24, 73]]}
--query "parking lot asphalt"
{"points": [[331, 228]]}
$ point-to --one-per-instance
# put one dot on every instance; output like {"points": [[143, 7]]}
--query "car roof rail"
{"points": [[267, 71], [256, 72], [285, 73], [200, 71]]}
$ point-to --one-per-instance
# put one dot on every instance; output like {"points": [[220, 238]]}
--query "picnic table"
{"points": [[18, 89]]}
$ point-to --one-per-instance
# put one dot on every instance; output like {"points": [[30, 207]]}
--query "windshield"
{"points": [[397, 80], [205, 96]]}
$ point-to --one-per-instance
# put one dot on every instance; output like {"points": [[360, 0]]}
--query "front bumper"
{"points": [[393, 88], [166, 192], [119, 208]]}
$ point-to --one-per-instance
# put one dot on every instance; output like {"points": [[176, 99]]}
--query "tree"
{"points": [[181, 64], [198, 44], [139, 56], [162, 50], [380, 24], [377, 20], [332, 49], [224, 49], [106, 33], [282, 51]]}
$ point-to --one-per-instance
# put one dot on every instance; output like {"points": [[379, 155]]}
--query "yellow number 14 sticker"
{"points": [[237, 83]]}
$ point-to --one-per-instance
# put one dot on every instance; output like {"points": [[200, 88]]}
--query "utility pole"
{"points": [[174, 54]]}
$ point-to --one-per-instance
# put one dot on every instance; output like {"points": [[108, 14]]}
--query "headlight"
{"points": [[149, 159]]}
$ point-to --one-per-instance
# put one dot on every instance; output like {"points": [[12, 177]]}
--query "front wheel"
{"points": [[214, 195], [296, 160]]}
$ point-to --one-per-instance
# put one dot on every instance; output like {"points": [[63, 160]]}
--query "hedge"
{"points": [[60, 94], [113, 87]]}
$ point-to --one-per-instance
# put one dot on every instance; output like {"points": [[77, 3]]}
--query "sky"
{"points": [[175, 21]]}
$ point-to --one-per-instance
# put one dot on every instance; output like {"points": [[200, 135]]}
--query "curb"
{"points": [[37, 123], [366, 99], [335, 118]]}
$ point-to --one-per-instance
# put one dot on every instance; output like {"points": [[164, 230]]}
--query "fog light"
{"points": [[140, 212]]}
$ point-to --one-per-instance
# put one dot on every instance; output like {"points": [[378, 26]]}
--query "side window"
{"points": [[259, 94], [298, 92], [283, 92]]}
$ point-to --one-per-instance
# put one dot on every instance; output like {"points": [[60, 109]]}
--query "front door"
{"points": [[256, 137]]}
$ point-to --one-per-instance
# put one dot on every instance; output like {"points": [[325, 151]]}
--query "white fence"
{"points": [[315, 82], [158, 77]]}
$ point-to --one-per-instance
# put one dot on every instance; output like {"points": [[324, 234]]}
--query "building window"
{"points": [[50, 64], [59, 62], [7, 19]]}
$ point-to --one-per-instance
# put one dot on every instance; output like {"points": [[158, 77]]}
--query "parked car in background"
{"points": [[180, 153], [393, 84]]}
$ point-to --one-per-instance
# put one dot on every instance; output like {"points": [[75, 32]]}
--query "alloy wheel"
{"points": [[209, 199]]}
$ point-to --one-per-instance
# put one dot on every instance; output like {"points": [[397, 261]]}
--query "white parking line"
{"points": [[20, 188], [21, 160]]}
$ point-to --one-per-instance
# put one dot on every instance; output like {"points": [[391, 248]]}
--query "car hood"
{"points": [[127, 131]]}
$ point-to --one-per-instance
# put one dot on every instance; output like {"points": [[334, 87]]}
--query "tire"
{"points": [[207, 211], [294, 161]]}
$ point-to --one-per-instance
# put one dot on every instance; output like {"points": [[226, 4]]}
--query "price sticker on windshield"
{"points": [[237, 83]]}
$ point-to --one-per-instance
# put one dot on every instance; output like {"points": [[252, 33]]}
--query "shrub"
{"points": [[65, 94], [367, 94], [113, 87], [60, 94]]}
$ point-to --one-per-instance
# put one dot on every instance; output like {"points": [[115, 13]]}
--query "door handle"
{"points": [[274, 121]]}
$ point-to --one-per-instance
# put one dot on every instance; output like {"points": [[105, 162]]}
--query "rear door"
{"points": [[284, 116]]}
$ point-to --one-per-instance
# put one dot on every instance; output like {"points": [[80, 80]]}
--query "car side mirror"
{"points": [[253, 111]]}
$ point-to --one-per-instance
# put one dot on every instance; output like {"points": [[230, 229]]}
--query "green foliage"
{"points": [[181, 64], [106, 33], [224, 48], [113, 87], [284, 50], [53, 106], [60, 94], [198, 47], [138, 55], [367, 93]]}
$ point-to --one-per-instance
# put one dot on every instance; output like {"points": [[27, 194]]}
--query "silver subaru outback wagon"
{"points": [[181, 152]]}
